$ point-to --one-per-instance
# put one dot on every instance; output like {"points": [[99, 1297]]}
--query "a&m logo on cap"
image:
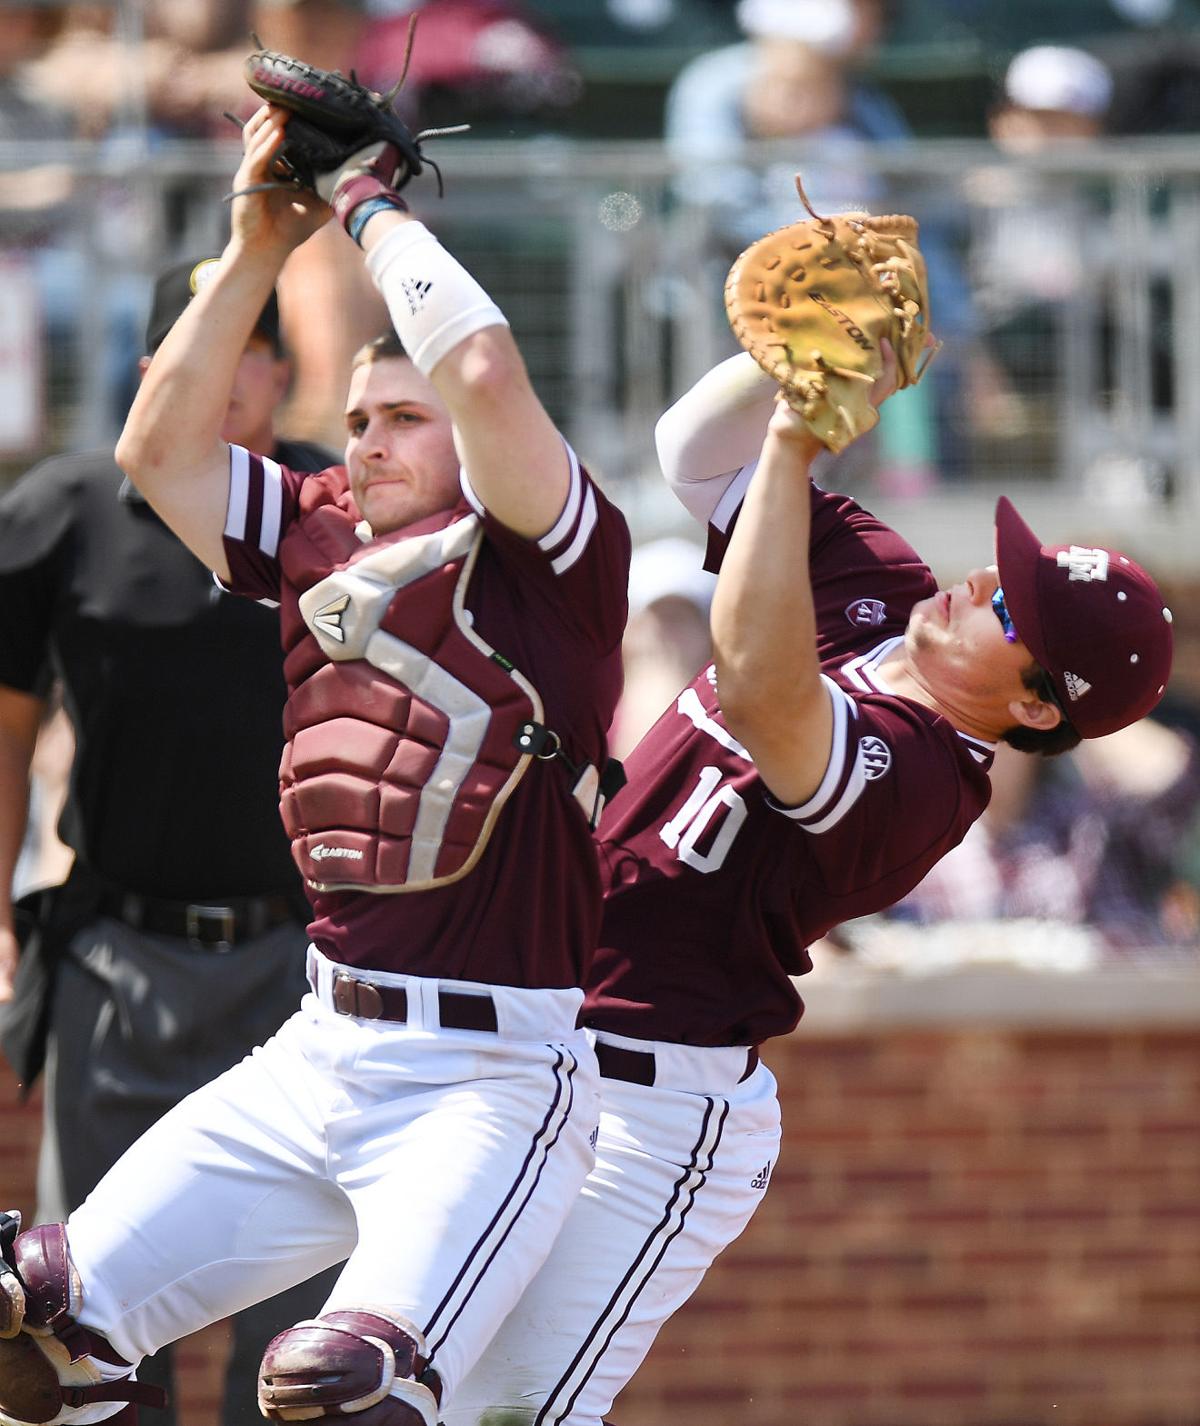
{"points": [[1082, 563]]}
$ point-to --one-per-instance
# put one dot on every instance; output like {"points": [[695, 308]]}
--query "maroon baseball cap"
{"points": [[1093, 619]]}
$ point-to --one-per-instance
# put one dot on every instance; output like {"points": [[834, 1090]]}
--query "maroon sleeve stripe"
{"points": [[254, 501], [255, 511]]}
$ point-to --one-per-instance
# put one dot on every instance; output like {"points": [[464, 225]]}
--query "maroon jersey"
{"points": [[527, 913], [713, 891]]}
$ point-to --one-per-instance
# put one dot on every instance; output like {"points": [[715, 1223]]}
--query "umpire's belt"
{"points": [[699, 1069], [457, 1010], [207, 926]]}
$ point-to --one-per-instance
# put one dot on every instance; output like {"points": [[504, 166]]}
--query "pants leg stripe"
{"points": [[483, 1252], [561, 1400]]}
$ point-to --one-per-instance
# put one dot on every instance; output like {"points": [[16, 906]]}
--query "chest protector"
{"points": [[401, 739]]}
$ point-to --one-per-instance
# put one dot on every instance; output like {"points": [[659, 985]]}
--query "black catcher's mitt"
{"points": [[333, 118]]}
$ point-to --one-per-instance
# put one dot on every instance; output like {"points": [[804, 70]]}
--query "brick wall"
{"points": [[977, 1229], [967, 1228]]}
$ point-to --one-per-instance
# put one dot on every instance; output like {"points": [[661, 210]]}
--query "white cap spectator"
{"points": [[1060, 78], [826, 25], [669, 567], [1144, 12], [642, 14]]}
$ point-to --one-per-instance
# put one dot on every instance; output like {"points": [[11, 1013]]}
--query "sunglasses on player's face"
{"points": [[1044, 689], [1001, 610]]}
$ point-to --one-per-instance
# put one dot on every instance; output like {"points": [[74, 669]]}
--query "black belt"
{"points": [[208, 926], [457, 1009], [637, 1066]]}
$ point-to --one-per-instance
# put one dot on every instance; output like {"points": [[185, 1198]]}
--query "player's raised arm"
{"points": [[171, 446], [713, 431], [836, 311], [763, 621], [515, 459], [513, 454]]}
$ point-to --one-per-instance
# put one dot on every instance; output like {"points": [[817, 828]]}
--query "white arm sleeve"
{"points": [[433, 301], [713, 431]]}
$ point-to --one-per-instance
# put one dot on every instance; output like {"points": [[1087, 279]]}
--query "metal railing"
{"points": [[1070, 376]]}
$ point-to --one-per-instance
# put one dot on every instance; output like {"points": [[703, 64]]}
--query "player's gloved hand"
{"points": [[333, 120], [380, 161], [788, 424], [373, 172], [268, 216], [813, 302], [342, 140]]}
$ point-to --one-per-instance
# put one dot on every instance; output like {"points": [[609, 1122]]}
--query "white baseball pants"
{"points": [[442, 1163], [680, 1168]]}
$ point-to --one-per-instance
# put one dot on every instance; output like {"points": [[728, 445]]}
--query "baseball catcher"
{"points": [[812, 303], [455, 585]]}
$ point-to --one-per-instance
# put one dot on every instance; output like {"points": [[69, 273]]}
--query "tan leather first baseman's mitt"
{"points": [[811, 303]]}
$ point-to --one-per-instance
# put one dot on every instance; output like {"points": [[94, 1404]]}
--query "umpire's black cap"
{"points": [[175, 287]]}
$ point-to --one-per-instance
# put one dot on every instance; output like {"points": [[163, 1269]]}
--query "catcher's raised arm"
{"points": [[813, 302], [171, 447], [344, 142]]}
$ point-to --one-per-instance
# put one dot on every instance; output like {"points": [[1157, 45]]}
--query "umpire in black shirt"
{"points": [[177, 943]]}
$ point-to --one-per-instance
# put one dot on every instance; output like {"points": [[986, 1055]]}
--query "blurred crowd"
{"points": [[821, 81], [1107, 840], [806, 66]]}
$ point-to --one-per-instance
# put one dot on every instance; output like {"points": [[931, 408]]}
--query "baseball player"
{"points": [[838, 745], [451, 647]]}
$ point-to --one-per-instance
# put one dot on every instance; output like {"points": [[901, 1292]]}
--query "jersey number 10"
{"points": [[693, 819]]}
